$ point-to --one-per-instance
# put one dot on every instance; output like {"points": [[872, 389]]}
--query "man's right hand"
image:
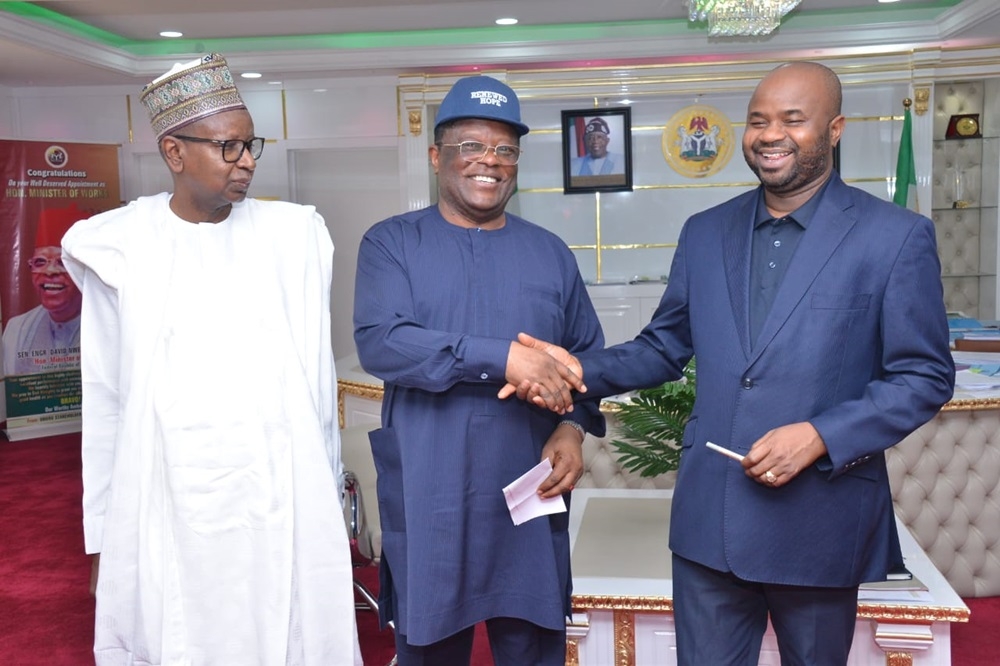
{"points": [[543, 373]]}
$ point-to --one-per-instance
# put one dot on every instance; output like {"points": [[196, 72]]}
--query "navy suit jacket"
{"points": [[856, 343]]}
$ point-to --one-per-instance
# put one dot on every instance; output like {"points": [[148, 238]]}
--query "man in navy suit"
{"points": [[816, 313]]}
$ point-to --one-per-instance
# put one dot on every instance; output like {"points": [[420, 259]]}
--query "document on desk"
{"points": [[979, 377], [522, 497]]}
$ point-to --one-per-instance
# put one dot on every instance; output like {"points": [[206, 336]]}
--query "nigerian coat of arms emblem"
{"points": [[698, 141]]}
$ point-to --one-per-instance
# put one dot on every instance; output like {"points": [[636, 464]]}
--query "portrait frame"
{"points": [[615, 171]]}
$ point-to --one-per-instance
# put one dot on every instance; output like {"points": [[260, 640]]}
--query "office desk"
{"points": [[623, 612]]}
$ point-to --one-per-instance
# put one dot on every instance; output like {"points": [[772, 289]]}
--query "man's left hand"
{"points": [[779, 456], [565, 451]]}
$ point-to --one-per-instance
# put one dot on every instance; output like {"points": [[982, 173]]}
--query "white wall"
{"points": [[345, 145], [6, 112], [352, 188], [336, 149]]}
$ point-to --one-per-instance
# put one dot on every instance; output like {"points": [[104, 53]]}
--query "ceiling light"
{"points": [[274, 83], [251, 75], [171, 33], [727, 18], [887, 1], [506, 21]]}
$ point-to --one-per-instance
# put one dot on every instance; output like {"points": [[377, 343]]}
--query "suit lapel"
{"points": [[834, 218], [736, 248]]}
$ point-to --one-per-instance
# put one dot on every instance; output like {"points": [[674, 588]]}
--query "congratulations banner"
{"points": [[47, 186]]}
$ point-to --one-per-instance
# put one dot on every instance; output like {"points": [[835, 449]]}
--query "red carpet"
{"points": [[47, 615], [46, 611]]}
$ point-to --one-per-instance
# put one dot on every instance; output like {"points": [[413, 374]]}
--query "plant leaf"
{"points": [[653, 423]]}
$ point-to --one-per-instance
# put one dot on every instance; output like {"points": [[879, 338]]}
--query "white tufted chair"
{"points": [[945, 480]]}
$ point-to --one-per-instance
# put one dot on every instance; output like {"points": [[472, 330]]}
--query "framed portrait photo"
{"points": [[597, 150]]}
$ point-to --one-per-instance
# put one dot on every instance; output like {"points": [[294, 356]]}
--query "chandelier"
{"points": [[740, 17]]}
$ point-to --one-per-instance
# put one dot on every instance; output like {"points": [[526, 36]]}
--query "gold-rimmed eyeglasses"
{"points": [[476, 151], [232, 149]]}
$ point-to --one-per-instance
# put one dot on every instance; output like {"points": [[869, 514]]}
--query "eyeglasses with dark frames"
{"points": [[232, 149], [476, 151]]}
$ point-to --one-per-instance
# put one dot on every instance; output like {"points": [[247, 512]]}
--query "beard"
{"points": [[808, 166]]}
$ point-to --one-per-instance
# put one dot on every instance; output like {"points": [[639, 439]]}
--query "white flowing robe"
{"points": [[211, 456]]}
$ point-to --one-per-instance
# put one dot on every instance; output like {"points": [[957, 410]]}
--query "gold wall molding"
{"points": [[898, 659], [128, 117], [572, 652], [624, 638], [347, 387], [914, 614], [415, 117], [360, 389], [284, 114], [971, 405], [867, 610], [921, 100], [609, 602], [576, 629]]}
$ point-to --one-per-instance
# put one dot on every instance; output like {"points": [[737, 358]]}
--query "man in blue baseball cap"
{"points": [[441, 295], [597, 161]]}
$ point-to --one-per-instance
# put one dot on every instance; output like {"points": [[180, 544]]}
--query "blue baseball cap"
{"points": [[481, 97]]}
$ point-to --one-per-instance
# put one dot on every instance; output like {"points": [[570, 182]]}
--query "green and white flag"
{"points": [[906, 170]]}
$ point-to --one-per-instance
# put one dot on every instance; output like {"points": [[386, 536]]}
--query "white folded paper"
{"points": [[522, 497]]}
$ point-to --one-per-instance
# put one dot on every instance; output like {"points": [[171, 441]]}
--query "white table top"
{"points": [[618, 542]]}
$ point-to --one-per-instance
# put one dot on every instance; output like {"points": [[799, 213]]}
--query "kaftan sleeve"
{"points": [[394, 346], [583, 334], [94, 263]]}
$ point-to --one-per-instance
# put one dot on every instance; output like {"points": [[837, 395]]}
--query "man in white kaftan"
{"points": [[210, 446]]}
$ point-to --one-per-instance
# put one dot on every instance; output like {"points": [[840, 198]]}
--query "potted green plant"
{"points": [[651, 426]]}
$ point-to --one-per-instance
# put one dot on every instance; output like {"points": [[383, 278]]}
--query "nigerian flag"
{"points": [[906, 170]]}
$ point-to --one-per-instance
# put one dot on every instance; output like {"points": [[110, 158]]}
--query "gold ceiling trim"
{"points": [[634, 75], [690, 186]]}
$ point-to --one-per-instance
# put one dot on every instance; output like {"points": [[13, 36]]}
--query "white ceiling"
{"points": [[116, 41]]}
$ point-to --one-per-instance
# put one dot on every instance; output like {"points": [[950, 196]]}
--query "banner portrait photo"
{"points": [[47, 187]]}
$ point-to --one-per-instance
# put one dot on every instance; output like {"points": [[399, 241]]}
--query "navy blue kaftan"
{"points": [[436, 308]]}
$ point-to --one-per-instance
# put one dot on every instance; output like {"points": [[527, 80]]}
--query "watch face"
{"points": [[967, 126]]}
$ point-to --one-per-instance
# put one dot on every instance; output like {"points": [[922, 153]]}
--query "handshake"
{"points": [[543, 373]]}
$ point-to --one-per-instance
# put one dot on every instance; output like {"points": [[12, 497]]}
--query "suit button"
{"points": [[747, 383]]}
